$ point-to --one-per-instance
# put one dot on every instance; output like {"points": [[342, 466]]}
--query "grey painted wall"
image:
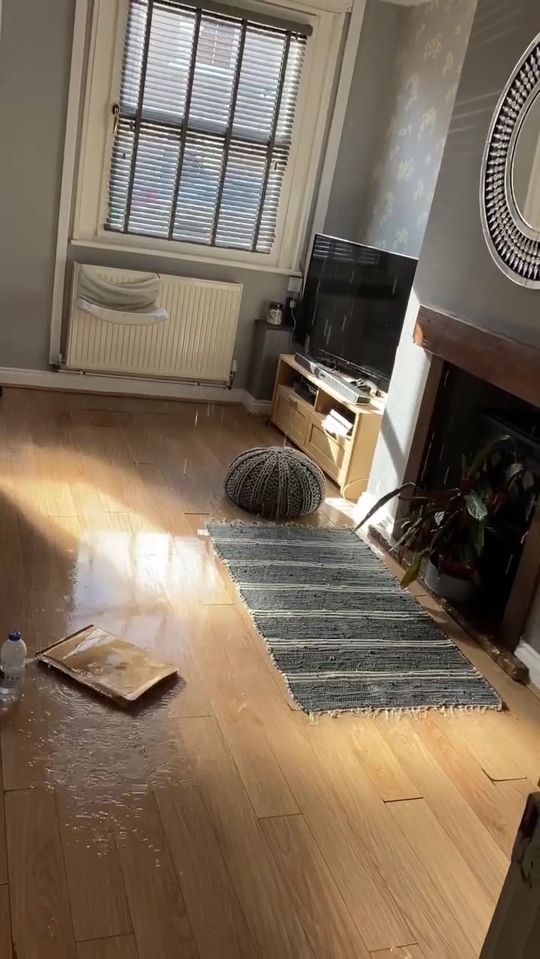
{"points": [[34, 67], [402, 94], [426, 67], [456, 272], [371, 99]]}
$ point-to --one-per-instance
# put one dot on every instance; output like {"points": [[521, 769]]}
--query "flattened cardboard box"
{"points": [[106, 663]]}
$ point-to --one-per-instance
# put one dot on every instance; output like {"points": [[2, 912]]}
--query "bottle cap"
{"points": [[15, 636]]}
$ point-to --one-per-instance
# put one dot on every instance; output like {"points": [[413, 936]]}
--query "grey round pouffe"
{"points": [[275, 482]]}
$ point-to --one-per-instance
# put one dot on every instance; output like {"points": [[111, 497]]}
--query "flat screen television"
{"points": [[353, 306]]}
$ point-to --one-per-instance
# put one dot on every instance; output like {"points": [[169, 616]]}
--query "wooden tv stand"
{"points": [[346, 459]]}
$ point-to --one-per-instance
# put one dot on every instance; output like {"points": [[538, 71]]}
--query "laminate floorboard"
{"points": [[96, 886], [161, 924], [219, 924], [417, 893], [3, 847], [273, 922], [329, 926], [216, 820], [465, 897], [465, 829], [403, 952], [119, 947], [5, 924], [41, 925], [483, 796]]}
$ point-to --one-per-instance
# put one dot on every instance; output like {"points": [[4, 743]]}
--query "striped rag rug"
{"points": [[338, 626]]}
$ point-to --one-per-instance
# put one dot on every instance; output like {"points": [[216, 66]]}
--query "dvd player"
{"points": [[353, 391]]}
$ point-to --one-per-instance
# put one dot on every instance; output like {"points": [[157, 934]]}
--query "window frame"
{"points": [[108, 28]]}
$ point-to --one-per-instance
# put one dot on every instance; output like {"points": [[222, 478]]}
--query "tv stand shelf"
{"points": [[345, 459]]}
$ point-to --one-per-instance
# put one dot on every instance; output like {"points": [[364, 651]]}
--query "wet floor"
{"points": [[213, 820], [107, 511]]}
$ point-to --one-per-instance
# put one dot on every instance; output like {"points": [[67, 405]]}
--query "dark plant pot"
{"points": [[449, 587]]}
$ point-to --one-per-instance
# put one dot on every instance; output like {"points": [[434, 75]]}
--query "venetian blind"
{"points": [[204, 125]]}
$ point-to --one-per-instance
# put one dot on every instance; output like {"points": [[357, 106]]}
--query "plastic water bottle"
{"points": [[12, 662]]}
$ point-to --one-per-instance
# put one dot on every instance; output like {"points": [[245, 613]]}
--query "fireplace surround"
{"points": [[506, 365]]}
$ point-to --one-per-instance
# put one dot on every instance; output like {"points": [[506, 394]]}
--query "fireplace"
{"points": [[480, 386], [468, 414]]}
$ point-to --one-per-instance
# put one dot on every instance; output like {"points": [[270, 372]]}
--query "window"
{"points": [[203, 127]]}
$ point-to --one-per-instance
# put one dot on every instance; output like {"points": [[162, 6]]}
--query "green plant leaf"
{"points": [[484, 489], [477, 536], [476, 506], [412, 572], [514, 470], [409, 533], [382, 501]]}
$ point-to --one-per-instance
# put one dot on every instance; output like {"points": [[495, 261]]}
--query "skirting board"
{"points": [[531, 658], [256, 407], [130, 386]]}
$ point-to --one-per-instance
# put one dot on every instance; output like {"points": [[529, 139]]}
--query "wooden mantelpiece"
{"points": [[511, 366], [506, 363]]}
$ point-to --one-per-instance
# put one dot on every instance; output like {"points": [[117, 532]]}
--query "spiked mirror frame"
{"points": [[512, 242]]}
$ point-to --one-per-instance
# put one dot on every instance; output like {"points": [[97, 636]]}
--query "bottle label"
{"points": [[12, 678]]}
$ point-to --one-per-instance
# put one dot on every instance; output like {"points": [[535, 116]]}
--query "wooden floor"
{"points": [[217, 821]]}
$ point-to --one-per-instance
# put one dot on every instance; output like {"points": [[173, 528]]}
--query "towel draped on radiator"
{"points": [[120, 301]]}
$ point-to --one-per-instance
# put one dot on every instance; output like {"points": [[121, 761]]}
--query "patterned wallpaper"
{"points": [[428, 66]]}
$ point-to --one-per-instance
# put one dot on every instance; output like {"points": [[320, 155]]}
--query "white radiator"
{"points": [[196, 342]]}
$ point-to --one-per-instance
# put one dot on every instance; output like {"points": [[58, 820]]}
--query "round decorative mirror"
{"points": [[510, 181]]}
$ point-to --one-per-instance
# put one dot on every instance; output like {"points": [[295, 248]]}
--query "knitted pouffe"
{"points": [[276, 482]]}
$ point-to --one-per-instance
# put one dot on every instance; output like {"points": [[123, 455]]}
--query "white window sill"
{"points": [[183, 257]]}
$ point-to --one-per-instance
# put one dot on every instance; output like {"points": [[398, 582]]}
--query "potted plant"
{"points": [[445, 529]]}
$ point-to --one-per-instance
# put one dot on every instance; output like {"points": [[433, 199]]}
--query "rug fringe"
{"points": [[402, 712], [279, 524]]}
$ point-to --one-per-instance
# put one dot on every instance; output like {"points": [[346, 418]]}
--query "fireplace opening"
{"points": [[469, 413]]}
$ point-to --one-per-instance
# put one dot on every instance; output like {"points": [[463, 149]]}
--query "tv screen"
{"points": [[354, 304]]}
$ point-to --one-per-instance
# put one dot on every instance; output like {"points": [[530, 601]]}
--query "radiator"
{"points": [[196, 342]]}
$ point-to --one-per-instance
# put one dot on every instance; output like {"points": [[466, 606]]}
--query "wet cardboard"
{"points": [[104, 662]]}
